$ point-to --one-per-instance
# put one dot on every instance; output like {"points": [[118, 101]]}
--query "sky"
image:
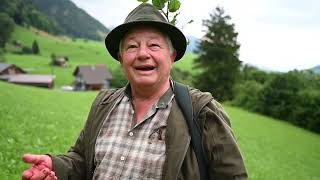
{"points": [[277, 35]]}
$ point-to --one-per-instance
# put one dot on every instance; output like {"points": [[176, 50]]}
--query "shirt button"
{"points": [[122, 158], [130, 133]]}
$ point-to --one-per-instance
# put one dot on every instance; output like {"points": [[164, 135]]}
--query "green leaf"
{"points": [[159, 4], [174, 19], [174, 5], [144, 1]]}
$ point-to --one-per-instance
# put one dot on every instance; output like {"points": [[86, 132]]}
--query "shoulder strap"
{"points": [[184, 101]]}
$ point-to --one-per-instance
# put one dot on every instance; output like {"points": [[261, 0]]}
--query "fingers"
{"points": [[51, 176], [40, 174], [43, 161], [41, 168], [32, 158], [27, 174]]}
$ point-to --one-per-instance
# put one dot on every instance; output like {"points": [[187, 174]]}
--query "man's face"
{"points": [[145, 57]]}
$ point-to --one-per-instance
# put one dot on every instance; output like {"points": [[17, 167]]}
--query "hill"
{"points": [[61, 17], [316, 69], [73, 21], [24, 13], [48, 121]]}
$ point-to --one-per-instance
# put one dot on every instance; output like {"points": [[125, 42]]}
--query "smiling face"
{"points": [[146, 58]]}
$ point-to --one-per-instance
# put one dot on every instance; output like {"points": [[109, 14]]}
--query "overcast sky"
{"points": [[278, 35]]}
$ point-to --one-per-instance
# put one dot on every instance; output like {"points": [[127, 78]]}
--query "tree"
{"points": [[7, 27], [35, 47], [218, 57]]}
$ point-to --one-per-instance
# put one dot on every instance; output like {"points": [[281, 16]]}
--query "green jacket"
{"points": [[219, 143]]}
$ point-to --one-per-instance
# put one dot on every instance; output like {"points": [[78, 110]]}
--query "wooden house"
{"points": [[14, 74], [92, 77]]}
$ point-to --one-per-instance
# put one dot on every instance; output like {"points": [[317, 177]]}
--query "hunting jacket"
{"points": [[219, 144]]}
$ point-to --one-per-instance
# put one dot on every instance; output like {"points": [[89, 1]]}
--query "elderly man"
{"points": [[139, 132]]}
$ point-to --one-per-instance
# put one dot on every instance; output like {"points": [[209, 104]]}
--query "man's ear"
{"points": [[173, 56]]}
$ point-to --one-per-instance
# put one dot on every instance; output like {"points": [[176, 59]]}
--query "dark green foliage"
{"points": [[7, 27], [24, 13], [292, 96], [182, 76], [55, 17], [26, 50], [120, 79], [279, 96], [247, 94], [35, 47], [72, 20], [218, 57]]}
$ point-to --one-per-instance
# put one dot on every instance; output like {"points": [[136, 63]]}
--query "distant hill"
{"points": [[24, 13], [193, 42], [316, 69], [72, 20]]}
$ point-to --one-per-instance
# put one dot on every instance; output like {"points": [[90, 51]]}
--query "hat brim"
{"points": [[177, 38]]}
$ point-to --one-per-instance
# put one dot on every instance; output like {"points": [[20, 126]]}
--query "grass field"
{"points": [[42, 121]]}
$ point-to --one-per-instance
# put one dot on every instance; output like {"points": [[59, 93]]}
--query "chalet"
{"points": [[46, 81], [60, 61], [92, 77], [10, 69], [13, 74]]}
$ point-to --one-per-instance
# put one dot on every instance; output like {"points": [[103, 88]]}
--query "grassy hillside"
{"points": [[79, 52], [41, 121]]}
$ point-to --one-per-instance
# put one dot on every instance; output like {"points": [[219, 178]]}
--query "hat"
{"points": [[146, 14]]}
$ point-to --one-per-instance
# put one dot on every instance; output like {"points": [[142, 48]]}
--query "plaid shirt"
{"points": [[124, 151]]}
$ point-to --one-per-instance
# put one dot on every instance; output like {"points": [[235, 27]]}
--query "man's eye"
{"points": [[155, 46], [132, 46]]}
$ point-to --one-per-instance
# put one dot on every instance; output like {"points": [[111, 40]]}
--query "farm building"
{"points": [[46, 81], [92, 77], [10, 69], [14, 74]]}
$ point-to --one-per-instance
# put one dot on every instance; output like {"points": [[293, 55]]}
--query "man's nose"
{"points": [[143, 53]]}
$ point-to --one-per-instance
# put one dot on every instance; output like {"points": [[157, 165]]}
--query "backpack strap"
{"points": [[184, 102]]}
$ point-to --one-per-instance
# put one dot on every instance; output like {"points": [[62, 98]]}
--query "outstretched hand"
{"points": [[41, 168]]}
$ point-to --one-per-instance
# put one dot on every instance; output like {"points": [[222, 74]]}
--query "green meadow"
{"points": [[36, 120]]}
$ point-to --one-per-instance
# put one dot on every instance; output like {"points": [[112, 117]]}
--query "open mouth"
{"points": [[145, 68]]}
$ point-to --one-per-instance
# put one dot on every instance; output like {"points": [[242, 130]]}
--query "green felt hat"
{"points": [[146, 14]]}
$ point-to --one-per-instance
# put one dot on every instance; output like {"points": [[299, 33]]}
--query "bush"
{"points": [[35, 47], [118, 78], [26, 50], [247, 94], [181, 76], [294, 97], [307, 114]]}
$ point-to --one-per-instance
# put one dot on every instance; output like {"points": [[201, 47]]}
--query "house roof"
{"points": [[4, 66], [93, 74], [31, 78]]}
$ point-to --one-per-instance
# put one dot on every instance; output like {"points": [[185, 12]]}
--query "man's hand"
{"points": [[41, 168]]}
